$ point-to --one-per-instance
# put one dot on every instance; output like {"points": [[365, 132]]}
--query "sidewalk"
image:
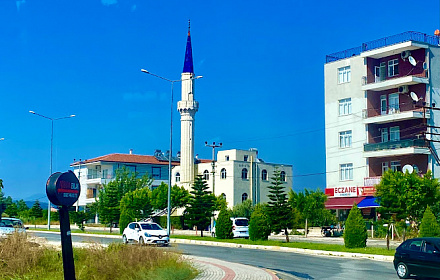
{"points": [[213, 269]]}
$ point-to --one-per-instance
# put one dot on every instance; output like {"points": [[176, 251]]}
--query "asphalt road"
{"points": [[300, 266]]}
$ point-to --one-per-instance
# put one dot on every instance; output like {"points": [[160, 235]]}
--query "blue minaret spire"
{"points": [[188, 64]]}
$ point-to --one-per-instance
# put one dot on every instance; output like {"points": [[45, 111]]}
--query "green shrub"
{"points": [[259, 226], [429, 226], [223, 226], [355, 233]]}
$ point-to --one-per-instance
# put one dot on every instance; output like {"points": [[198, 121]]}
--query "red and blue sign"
{"points": [[63, 189]]}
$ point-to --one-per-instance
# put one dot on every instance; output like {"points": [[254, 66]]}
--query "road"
{"points": [[300, 266]]}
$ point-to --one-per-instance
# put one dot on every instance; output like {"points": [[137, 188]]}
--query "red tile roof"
{"points": [[127, 158]]}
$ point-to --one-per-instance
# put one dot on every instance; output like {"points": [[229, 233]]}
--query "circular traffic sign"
{"points": [[63, 189]]}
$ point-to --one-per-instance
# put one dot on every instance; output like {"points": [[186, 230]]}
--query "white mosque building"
{"points": [[237, 174]]}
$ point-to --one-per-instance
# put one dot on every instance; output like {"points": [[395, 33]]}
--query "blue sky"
{"points": [[262, 63]]}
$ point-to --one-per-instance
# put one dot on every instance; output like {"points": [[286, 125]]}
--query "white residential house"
{"points": [[95, 172]]}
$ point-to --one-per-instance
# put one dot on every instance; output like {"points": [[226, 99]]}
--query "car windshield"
{"points": [[241, 222], [150, 227], [10, 223]]}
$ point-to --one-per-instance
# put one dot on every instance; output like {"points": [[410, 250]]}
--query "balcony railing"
{"points": [[99, 176], [395, 145], [372, 181], [383, 42]]}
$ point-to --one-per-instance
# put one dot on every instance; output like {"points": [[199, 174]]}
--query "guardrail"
{"points": [[395, 145], [383, 42]]}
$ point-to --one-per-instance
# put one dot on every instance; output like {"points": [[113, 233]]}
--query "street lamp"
{"points": [[51, 149], [171, 141]]}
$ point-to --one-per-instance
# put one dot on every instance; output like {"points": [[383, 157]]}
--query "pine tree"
{"points": [[279, 209], [223, 226], [12, 210], [259, 226], [200, 206], [355, 233], [36, 210], [429, 226]]}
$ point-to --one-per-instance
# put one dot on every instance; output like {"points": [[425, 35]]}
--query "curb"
{"points": [[287, 249], [381, 258]]}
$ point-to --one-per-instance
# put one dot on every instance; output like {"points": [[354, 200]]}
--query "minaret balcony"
{"points": [[187, 105]]}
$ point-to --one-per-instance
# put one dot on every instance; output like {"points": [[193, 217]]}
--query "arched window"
{"points": [[223, 173], [244, 197], [264, 175], [224, 196], [283, 176], [206, 175], [177, 177], [244, 174]]}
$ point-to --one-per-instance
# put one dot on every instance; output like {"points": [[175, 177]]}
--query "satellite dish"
{"points": [[408, 168], [412, 61], [414, 96]]}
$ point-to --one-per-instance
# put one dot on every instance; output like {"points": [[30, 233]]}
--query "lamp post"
{"points": [[171, 142], [51, 151]]}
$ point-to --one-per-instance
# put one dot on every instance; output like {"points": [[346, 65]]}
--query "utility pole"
{"points": [[213, 146]]}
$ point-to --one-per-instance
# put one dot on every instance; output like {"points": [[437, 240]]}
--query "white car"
{"points": [[145, 233], [11, 225], [240, 228]]}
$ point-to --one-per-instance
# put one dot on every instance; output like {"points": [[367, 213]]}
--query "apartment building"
{"points": [[95, 172], [380, 114]]}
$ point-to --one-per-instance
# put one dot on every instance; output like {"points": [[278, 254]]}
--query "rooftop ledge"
{"points": [[412, 37]]}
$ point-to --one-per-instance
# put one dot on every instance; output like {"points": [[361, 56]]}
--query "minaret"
{"points": [[187, 108]]}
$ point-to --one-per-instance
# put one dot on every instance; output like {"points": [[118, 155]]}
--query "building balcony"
{"points": [[379, 85], [392, 115], [372, 181], [396, 148]]}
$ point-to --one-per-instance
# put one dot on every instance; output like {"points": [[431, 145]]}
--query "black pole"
{"points": [[66, 244]]}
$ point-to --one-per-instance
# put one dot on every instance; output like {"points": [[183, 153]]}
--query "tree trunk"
{"points": [[287, 235], [306, 229], [201, 233]]}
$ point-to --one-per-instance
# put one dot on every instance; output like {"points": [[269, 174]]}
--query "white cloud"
{"points": [[109, 2]]}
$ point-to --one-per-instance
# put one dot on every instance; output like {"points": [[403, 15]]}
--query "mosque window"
{"points": [[264, 175], [245, 158], [283, 176], [206, 175], [244, 197], [177, 177], [223, 173], [244, 174]]}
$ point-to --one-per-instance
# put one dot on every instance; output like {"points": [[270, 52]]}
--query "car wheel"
{"points": [[124, 239], [402, 271], [141, 241]]}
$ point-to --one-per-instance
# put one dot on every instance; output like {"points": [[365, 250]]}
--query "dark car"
{"points": [[419, 257]]}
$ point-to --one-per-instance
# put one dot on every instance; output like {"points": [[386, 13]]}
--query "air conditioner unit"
{"points": [[403, 89], [404, 55]]}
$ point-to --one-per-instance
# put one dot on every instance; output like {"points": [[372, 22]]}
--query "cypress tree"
{"points": [[223, 226], [259, 226], [429, 226], [355, 233]]}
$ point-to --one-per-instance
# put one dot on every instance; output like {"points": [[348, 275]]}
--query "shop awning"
{"points": [[342, 202], [369, 202]]}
